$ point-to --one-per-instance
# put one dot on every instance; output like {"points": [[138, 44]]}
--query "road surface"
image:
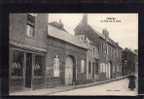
{"points": [[119, 87]]}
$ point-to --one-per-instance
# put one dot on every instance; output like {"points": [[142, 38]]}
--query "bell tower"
{"points": [[80, 28]]}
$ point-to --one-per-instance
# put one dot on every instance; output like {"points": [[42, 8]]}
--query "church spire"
{"points": [[85, 19]]}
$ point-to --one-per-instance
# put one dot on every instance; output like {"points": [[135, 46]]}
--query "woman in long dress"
{"points": [[132, 83]]}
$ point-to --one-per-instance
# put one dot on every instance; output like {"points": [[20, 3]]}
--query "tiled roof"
{"points": [[97, 32], [109, 40], [65, 36], [83, 27]]}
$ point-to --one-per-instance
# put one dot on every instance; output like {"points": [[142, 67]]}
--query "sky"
{"points": [[122, 27]]}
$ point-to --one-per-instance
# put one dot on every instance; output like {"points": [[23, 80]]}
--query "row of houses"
{"points": [[44, 55]]}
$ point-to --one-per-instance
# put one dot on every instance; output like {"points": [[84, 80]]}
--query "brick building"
{"points": [[27, 50], [43, 54], [104, 55], [71, 53]]}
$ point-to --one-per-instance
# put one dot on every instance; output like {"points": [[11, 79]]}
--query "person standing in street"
{"points": [[132, 83]]}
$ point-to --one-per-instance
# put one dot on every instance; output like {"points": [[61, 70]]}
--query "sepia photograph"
{"points": [[73, 54]]}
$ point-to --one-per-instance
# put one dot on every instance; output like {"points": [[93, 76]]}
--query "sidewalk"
{"points": [[49, 91]]}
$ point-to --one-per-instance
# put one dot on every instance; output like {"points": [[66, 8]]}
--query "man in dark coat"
{"points": [[132, 83]]}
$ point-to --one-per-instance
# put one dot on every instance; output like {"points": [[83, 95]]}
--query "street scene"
{"points": [[73, 54]]}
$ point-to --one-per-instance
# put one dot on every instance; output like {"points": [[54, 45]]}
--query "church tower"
{"points": [[84, 19], [81, 27]]}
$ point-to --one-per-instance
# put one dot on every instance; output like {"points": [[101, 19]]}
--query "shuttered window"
{"points": [[56, 67], [82, 66]]}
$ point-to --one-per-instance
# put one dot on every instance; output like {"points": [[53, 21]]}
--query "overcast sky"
{"points": [[124, 28]]}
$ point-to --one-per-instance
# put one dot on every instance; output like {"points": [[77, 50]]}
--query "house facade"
{"points": [[27, 50], [104, 55], [70, 52], [42, 54]]}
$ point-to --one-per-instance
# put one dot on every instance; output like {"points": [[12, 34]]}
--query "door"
{"points": [[109, 70], [69, 71], [93, 72], [28, 73]]}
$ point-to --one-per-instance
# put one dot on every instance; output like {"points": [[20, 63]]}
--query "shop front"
{"points": [[26, 69]]}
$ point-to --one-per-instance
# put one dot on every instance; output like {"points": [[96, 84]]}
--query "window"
{"points": [[101, 67], [104, 67], [17, 63], [93, 51], [117, 53], [88, 41], [107, 49], [93, 66], [89, 67], [118, 68], [102, 47], [82, 66], [30, 25], [38, 65], [30, 30], [56, 65], [83, 37], [111, 51], [113, 69], [96, 68]]}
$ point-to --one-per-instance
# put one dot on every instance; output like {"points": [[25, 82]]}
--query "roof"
{"points": [[65, 36], [109, 40], [86, 27], [97, 32]]}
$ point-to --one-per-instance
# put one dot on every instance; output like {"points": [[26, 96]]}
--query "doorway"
{"points": [[69, 70], [28, 71], [109, 70]]}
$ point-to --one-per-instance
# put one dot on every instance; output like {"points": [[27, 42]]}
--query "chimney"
{"points": [[61, 24], [106, 33]]}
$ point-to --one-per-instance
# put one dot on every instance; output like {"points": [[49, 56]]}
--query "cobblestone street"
{"points": [[119, 87]]}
